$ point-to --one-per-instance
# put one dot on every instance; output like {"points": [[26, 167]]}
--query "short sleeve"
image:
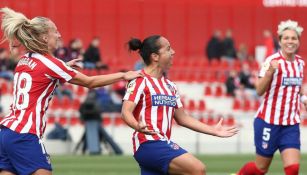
{"points": [[58, 69], [134, 90], [178, 99]]}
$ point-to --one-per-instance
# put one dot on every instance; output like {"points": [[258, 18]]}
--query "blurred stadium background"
{"points": [[189, 25]]}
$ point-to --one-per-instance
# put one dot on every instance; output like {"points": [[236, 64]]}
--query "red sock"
{"points": [[292, 169], [250, 168]]}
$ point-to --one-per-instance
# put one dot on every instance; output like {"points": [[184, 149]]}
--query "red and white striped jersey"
{"points": [[281, 104], [156, 101], [36, 77]]}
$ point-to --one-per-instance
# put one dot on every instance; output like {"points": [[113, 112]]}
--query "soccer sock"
{"points": [[292, 169], [250, 168]]}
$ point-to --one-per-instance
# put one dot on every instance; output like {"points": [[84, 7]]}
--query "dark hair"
{"points": [[146, 48]]}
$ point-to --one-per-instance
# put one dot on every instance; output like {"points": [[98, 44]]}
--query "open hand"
{"points": [[144, 129], [132, 75], [225, 131], [75, 63]]}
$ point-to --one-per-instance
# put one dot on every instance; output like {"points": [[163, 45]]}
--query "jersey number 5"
{"points": [[23, 83], [266, 134]]}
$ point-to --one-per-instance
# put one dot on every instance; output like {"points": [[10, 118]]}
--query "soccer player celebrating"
{"points": [[36, 76], [150, 104], [276, 124]]}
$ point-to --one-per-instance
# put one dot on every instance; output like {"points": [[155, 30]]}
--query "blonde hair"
{"points": [[28, 32], [289, 24]]}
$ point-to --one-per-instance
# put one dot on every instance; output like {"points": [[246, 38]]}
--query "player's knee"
{"points": [[198, 169], [292, 169]]}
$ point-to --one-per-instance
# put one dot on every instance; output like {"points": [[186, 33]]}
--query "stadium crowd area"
{"points": [[211, 87]]}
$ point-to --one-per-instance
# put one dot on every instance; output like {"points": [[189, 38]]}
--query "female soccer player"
{"points": [[276, 124], [37, 74], [150, 104]]}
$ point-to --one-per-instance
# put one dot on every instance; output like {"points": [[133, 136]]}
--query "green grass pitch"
{"points": [[126, 165]]}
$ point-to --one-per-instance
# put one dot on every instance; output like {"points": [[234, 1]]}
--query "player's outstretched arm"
{"points": [[183, 119], [103, 80]]}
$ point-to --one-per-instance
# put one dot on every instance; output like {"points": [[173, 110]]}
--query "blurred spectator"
{"points": [[120, 89], [63, 90], [75, 49], [214, 47], [229, 51], [232, 83], [90, 113], [242, 53], [6, 65], [105, 98], [92, 56], [59, 132], [247, 82], [139, 64], [61, 52], [268, 43]]}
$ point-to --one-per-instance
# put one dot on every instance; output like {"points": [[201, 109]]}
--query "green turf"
{"points": [[126, 165]]}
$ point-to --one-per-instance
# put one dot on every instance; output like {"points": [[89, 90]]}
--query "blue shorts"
{"points": [[154, 157], [268, 138], [22, 154]]}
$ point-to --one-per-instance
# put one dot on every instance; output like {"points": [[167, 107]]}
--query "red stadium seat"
{"points": [[4, 88], [51, 119], [55, 103], [66, 103], [106, 120], [236, 104], [201, 106], [230, 120], [207, 91], [76, 104], [63, 120], [81, 91], [191, 105], [247, 105], [119, 121], [218, 91], [74, 120], [256, 105]]}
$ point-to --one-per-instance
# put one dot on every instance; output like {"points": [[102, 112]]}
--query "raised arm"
{"points": [[183, 119], [264, 82]]}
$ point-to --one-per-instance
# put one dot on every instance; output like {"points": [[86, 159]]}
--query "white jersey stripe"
{"points": [[56, 69], [154, 110], [155, 104], [281, 102], [38, 109], [19, 119], [28, 125]]}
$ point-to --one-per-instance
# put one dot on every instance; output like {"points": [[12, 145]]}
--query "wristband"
{"points": [[303, 98]]}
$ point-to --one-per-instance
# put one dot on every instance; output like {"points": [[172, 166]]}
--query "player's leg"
{"points": [[155, 156], [259, 167], [187, 164], [3, 172], [146, 171], [6, 167], [42, 172], [265, 138], [290, 149], [291, 159], [27, 154]]}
